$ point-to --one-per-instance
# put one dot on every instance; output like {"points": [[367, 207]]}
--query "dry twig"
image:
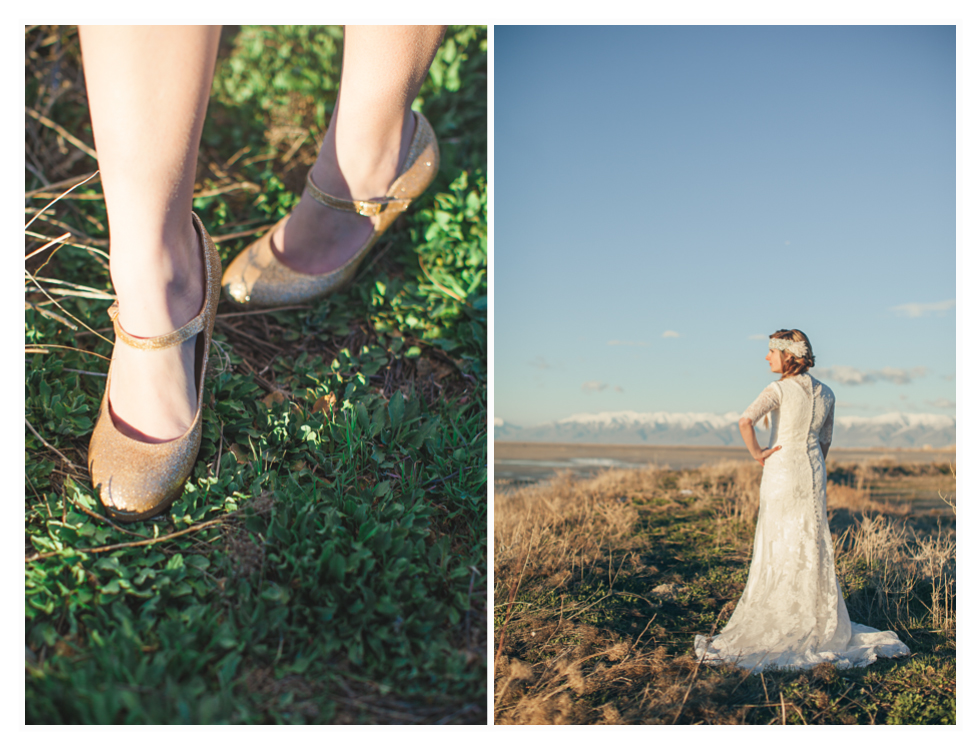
{"points": [[111, 547], [51, 447], [79, 144]]}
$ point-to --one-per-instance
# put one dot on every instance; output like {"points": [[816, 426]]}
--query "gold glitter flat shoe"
{"points": [[137, 480], [257, 278]]}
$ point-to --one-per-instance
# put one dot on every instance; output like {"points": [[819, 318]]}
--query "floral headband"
{"points": [[795, 348]]}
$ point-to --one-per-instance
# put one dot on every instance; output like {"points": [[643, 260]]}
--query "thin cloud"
{"points": [[594, 385], [899, 376], [618, 389], [614, 342], [758, 337], [852, 376], [941, 403], [540, 363], [671, 335], [920, 309]]}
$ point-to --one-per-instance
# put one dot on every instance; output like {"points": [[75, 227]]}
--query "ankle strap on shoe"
{"points": [[363, 208], [175, 338]]}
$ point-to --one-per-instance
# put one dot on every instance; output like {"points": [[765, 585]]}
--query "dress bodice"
{"points": [[800, 409]]}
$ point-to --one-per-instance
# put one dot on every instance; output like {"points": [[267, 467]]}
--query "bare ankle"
{"points": [[361, 165], [159, 288]]}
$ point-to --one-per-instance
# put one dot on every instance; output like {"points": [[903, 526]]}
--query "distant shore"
{"points": [[521, 461]]}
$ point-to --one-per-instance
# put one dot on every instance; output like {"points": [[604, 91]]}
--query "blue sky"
{"points": [[665, 197]]}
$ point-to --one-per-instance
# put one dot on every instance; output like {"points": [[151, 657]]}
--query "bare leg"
{"points": [[366, 143], [147, 90]]}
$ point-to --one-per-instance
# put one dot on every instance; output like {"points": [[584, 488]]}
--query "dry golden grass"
{"points": [[886, 565], [566, 525]]}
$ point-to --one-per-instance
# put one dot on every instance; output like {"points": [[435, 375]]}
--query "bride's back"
{"points": [[806, 406]]}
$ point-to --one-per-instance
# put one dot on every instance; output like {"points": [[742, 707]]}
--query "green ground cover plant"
{"points": [[601, 585], [326, 562]]}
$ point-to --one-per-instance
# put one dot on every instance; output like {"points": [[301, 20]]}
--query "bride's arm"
{"points": [[747, 429], [826, 433], [767, 400]]}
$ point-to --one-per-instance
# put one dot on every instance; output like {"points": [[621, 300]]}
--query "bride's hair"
{"points": [[791, 364]]}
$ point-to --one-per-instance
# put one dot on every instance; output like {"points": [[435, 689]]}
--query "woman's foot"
{"points": [[317, 239], [153, 393]]}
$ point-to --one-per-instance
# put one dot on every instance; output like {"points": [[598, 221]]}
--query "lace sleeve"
{"points": [[826, 432], [767, 400]]}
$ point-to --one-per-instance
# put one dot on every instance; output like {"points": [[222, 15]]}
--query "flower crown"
{"points": [[795, 348]]}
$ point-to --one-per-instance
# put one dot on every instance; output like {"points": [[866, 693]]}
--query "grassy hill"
{"points": [[601, 585]]}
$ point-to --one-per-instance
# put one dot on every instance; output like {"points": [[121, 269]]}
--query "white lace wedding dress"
{"points": [[792, 614]]}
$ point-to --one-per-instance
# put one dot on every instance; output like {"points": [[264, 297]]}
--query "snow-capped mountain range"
{"points": [[893, 430]]}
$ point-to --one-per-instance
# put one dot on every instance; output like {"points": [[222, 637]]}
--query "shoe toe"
{"points": [[237, 291], [251, 275], [137, 480], [237, 282]]}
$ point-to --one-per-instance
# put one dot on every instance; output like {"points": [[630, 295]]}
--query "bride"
{"points": [[792, 614]]}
